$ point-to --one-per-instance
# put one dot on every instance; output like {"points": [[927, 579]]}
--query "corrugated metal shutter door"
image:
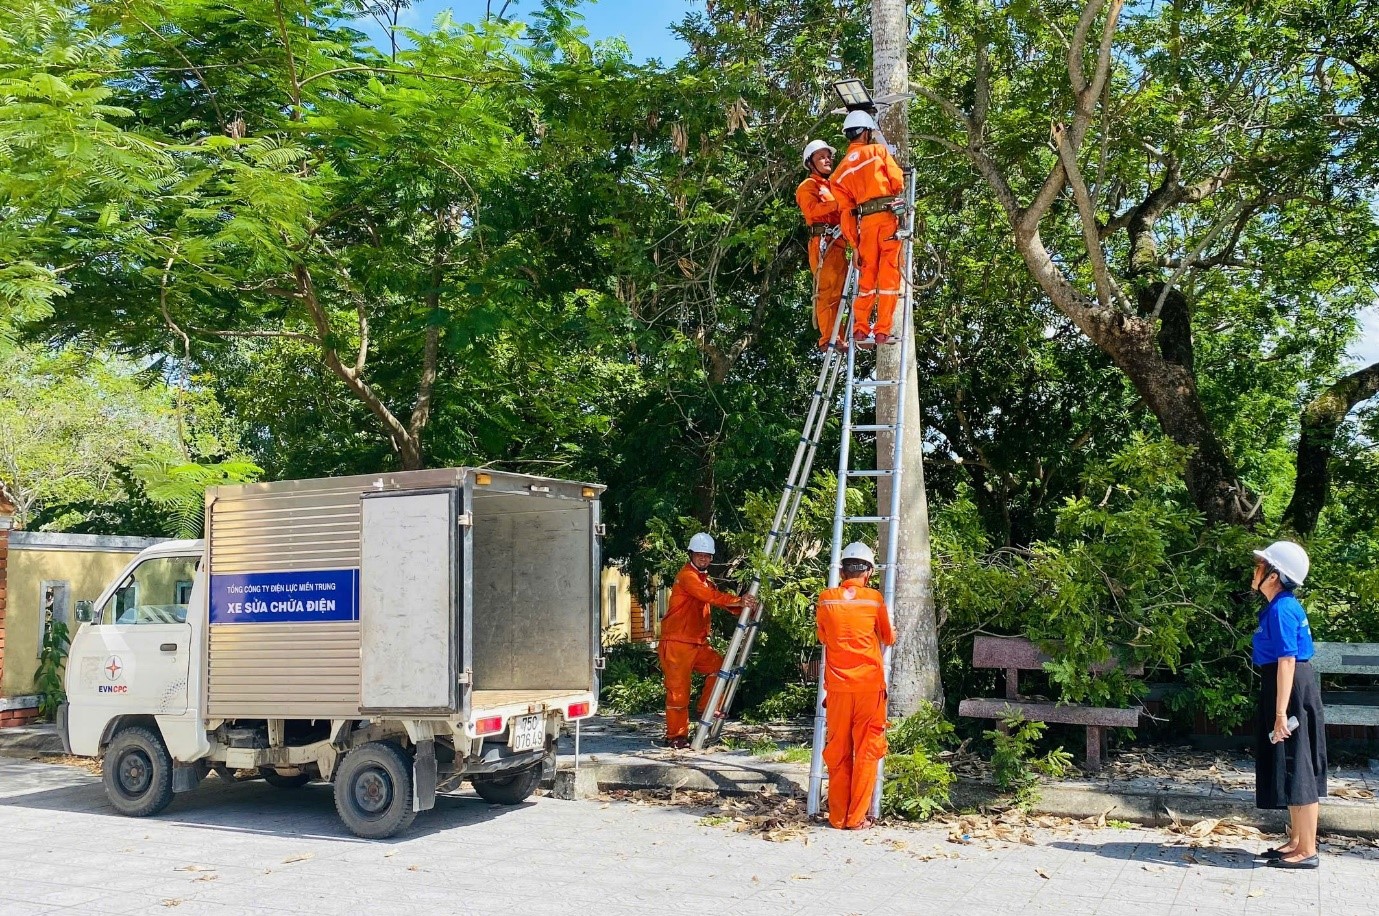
{"points": [[285, 670]]}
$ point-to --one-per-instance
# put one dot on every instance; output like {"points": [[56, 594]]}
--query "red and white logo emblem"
{"points": [[113, 667]]}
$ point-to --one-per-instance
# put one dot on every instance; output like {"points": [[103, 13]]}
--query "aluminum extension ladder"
{"points": [[835, 363], [777, 539], [891, 518]]}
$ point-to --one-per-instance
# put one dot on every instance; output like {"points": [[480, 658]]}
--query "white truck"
{"points": [[391, 634]]}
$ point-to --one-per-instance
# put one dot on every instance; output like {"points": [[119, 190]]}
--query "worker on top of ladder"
{"points": [[870, 189], [853, 625], [684, 648], [828, 260]]}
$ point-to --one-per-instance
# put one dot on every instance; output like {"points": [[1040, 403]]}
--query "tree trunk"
{"points": [[1320, 420], [914, 674], [1169, 389]]}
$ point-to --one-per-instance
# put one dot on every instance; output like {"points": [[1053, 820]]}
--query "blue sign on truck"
{"points": [[313, 596]]}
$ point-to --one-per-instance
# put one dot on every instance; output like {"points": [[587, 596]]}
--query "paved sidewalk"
{"points": [[250, 848]]}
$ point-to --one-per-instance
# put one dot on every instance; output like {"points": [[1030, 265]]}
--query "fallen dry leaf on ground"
{"points": [[300, 857], [1210, 831], [1351, 792]]}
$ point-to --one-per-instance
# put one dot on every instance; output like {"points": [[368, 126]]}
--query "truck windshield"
{"points": [[156, 591]]}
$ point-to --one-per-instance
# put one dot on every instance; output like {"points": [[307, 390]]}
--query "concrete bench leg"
{"points": [[1096, 747]]}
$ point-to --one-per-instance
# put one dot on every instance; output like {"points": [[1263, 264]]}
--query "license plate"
{"points": [[528, 732]]}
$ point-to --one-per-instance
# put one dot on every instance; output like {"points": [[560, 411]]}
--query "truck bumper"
{"points": [[497, 759], [62, 731]]}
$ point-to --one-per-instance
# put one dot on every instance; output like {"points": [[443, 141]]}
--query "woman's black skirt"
{"points": [[1292, 772]]}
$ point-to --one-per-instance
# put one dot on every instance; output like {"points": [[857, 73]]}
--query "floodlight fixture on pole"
{"points": [[854, 95]]}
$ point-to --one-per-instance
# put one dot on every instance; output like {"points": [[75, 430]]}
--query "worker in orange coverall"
{"points": [[828, 260], [853, 626], [684, 647], [870, 187]]}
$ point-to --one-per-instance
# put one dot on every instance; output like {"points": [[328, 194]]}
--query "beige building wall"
{"points": [[85, 563], [616, 603]]}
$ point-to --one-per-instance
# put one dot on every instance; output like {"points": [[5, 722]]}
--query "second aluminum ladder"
{"points": [[749, 622]]}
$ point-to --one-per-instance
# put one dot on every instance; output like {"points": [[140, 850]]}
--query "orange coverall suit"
{"points": [[853, 626], [869, 171], [820, 209], [685, 648]]}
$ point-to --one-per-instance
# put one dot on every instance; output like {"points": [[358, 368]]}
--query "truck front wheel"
{"points": [[373, 790], [508, 789], [137, 772]]}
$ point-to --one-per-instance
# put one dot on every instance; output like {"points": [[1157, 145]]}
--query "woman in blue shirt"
{"points": [[1290, 763]]}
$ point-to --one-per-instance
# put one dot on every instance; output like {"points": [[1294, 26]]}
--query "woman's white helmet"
{"points": [[1288, 558], [812, 147], [856, 121], [858, 551], [702, 543]]}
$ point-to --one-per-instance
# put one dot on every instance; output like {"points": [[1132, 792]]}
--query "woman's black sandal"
{"points": [[1309, 862]]}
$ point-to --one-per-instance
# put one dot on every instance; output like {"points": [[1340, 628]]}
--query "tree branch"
{"points": [[1320, 420], [1087, 216], [291, 62], [1188, 261]]}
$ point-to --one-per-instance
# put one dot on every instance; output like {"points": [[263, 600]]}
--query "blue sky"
{"points": [[644, 24]]}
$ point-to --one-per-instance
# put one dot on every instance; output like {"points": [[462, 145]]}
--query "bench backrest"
{"points": [[1016, 654], [1346, 658]]}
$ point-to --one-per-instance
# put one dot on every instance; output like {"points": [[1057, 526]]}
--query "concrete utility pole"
{"points": [[914, 661]]}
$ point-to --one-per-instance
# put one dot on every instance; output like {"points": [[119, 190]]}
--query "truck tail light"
{"points": [[489, 725], [576, 710]]}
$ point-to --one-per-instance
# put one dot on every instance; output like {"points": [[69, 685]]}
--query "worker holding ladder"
{"points": [[853, 625]]}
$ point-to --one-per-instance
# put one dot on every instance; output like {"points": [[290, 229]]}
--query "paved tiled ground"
{"points": [[250, 848]]}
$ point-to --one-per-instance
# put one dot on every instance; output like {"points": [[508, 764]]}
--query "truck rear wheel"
{"points": [[278, 781], [373, 790], [137, 772], [508, 789]]}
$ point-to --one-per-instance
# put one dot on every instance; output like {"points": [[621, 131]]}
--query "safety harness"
{"points": [[880, 205]]}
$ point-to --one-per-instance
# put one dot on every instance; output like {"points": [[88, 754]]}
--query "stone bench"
{"points": [[1016, 654], [1349, 706]]}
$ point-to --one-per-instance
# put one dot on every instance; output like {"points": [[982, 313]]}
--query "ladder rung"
{"points": [[872, 427], [866, 519], [885, 473], [876, 383]]}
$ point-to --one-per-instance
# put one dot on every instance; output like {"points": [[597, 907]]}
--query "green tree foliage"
{"points": [[68, 425], [1209, 153], [496, 242]]}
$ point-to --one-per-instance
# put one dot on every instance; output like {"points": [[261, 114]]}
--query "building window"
{"points": [[613, 604], [648, 622], [55, 600], [182, 592]]}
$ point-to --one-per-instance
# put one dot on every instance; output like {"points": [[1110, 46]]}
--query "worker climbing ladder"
{"points": [[836, 362]]}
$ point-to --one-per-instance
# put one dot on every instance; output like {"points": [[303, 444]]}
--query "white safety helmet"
{"points": [[812, 147], [857, 120], [858, 551], [1288, 558], [702, 543]]}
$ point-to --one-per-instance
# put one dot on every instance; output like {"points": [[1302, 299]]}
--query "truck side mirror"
{"points": [[86, 611]]}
